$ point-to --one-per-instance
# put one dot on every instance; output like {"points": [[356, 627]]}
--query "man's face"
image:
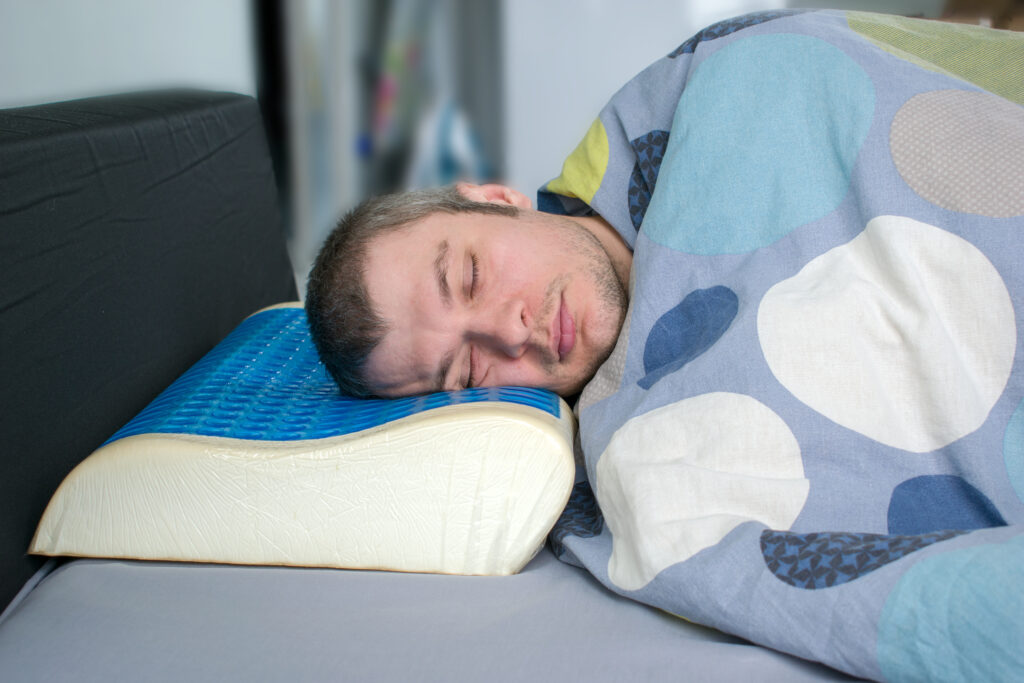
{"points": [[489, 300]]}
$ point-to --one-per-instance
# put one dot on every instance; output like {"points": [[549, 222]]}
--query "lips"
{"points": [[566, 331]]}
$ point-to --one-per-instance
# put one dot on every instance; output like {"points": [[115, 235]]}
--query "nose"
{"points": [[505, 328]]}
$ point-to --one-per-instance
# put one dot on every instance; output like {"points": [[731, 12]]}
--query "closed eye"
{"points": [[467, 374], [476, 275]]}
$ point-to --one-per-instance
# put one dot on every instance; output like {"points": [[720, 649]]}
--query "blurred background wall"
{"points": [[64, 49], [369, 96]]}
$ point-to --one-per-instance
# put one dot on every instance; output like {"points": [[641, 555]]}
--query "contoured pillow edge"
{"points": [[470, 488]]}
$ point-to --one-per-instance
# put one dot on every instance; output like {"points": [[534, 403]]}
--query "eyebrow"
{"points": [[441, 275], [441, 272], [442, 370]]}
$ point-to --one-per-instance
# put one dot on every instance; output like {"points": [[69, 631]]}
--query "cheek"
{"points": [[543, 262], [512, 373], [513, 270]]}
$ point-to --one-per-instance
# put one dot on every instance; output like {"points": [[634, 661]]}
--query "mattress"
{"points": [[105, 620]]}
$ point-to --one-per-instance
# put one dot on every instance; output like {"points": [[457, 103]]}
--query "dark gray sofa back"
{"points": [[135, 232]]}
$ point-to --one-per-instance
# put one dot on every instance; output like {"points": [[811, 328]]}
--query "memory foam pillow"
{"points": [[253, 457]]}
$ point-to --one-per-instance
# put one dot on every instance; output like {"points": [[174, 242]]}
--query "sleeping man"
{"points": [[784, 267], [466, 286]]}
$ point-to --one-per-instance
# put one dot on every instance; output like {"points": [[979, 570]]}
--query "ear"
{"points": [[494, 193]]}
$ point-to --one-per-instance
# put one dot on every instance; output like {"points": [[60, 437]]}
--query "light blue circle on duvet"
{"points": [[956, 616], [1013, 450], [764, 140]]}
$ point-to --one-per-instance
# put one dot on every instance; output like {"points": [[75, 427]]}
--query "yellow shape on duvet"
{"points": [[584, 169]]}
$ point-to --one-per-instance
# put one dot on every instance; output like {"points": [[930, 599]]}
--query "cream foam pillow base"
{"points": [[253, 457]]}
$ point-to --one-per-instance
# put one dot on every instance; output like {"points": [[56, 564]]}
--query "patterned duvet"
{"points": [[811, 430]]}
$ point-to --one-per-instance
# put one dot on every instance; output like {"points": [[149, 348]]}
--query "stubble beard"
{"points": [[612, 298]]}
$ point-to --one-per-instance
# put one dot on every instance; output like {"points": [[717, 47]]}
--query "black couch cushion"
{"points": [[135, 232]]}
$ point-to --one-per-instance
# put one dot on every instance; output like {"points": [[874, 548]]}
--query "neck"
{"points": [[618, 250]]}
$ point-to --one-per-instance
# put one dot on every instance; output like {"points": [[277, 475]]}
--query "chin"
{"points": [[597, 337], [574, 385]]}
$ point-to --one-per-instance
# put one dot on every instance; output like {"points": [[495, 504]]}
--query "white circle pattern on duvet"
{"points": [[690, 472], [905, 334]]}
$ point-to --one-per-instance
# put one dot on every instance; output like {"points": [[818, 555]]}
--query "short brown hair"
{"points": [[342, 322]]}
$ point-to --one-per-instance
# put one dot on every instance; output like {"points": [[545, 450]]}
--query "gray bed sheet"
{"points": [[107, 620]]}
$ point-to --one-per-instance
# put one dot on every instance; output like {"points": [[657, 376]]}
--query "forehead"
{"points": [[401, 275], [403, 260], [440, 225]]}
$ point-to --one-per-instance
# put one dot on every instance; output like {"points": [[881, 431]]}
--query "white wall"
{"points": [[565, 58], [54, 50]]}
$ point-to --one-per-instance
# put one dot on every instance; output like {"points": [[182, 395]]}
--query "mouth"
{"points": [[566, 331]]}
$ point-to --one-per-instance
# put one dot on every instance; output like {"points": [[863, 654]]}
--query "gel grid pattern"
{"points": [[265, 382]]}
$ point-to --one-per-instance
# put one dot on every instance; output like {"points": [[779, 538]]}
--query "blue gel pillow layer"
{"points": [[265, 382]]}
